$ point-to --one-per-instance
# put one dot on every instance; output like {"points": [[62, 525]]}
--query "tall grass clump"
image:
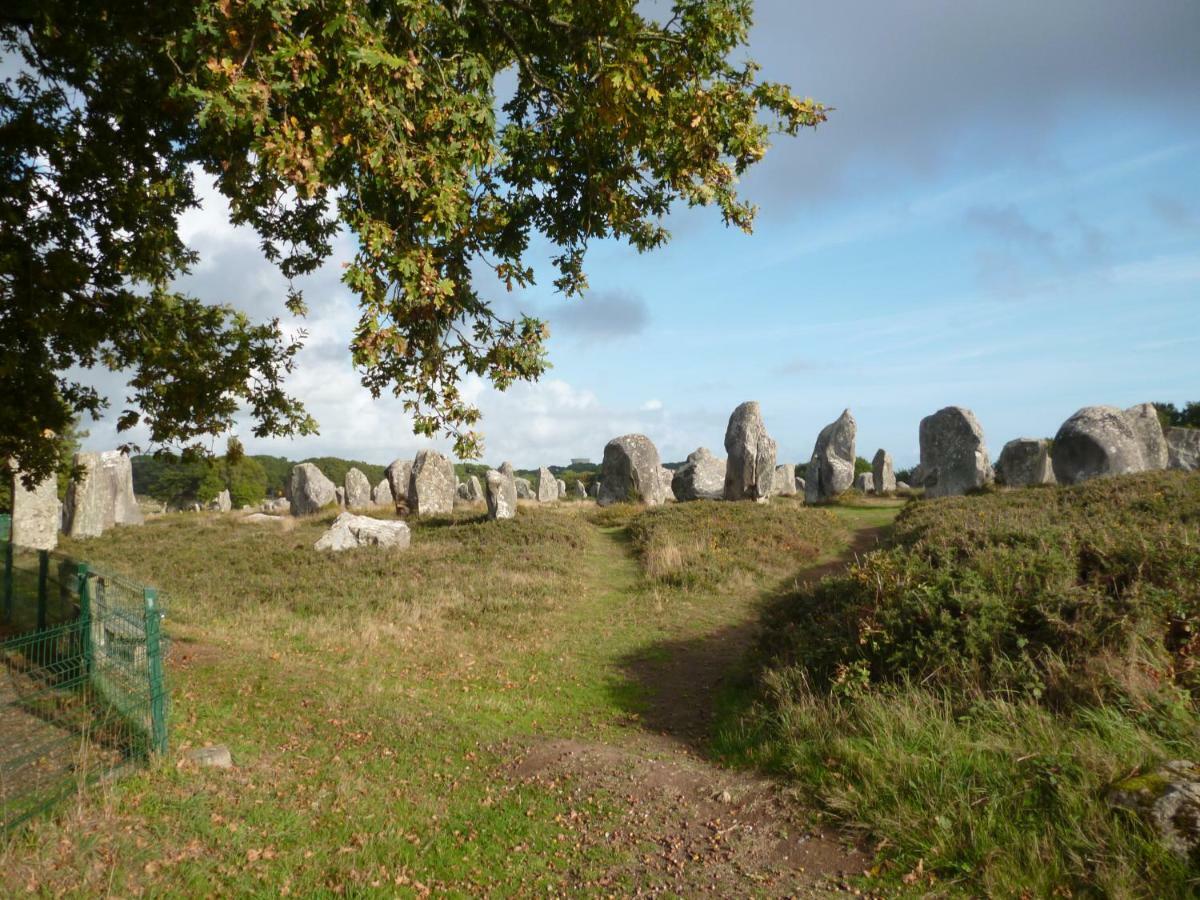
{"points": [[968, 694]]}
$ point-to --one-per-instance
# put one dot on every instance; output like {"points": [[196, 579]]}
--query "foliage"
{"points": [[377, 120], [68, 444], [968, 693], [277, 469], [1171, 416], [861, 465], [335, 468]]}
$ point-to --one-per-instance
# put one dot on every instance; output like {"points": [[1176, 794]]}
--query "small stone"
{"points": [[1168, 800], [785, 480], [216, 756], [883, 473], [701, 477], [349, 531]]}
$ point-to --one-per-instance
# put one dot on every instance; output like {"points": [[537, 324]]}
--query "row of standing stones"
{"points": [[1096, 441]]}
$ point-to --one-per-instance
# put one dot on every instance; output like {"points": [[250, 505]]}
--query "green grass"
{"points": [[374, 701], [968, 695]]}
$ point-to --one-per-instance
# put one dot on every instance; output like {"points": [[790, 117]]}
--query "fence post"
{"points": [[158, 698], [8, 581], [85, 617], [43, 577]]}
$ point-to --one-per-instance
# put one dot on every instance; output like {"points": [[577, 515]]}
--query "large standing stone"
{"points": [[474, 489], [432, 485], [1096, 441], [666, 476], [831, 469], [309, 490], [562, 488], [785, 480], [36, 513], [750, 462], [1143, 418], [381, 495], [398, 475], [501, 493], [103, 494], [701, 477], [358, 490], [1024, 462], [579, 491], [631, 472], [223, 503], [954, 458], [524, 489], [864, 482], [883, 473], [349, 531], [547, 486], [1183, 448]]}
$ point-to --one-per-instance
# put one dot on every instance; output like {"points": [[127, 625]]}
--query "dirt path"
{"points": [[690, 826]]}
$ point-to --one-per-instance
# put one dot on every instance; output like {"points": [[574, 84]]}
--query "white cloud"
{"points": [[652, 406]]}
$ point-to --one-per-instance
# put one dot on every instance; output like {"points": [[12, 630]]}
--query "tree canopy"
{"points": [[315, 117]]}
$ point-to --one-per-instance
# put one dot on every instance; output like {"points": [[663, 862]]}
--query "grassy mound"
{"points": [[710, 545], [968, 694]]}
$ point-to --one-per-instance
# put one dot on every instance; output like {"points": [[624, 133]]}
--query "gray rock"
{"points": [[381, 494], [357, 489], [524, 489], [1024, 462], [864, 482], [578, 490], [1095, 442], [1143, 418], [785, 480], [223, 503], [801, 484], [547, 486], [831, 468], [666, 476], [594, 489], [398, 474], [883, 473], [102, 496], [474, 489], [349, 531], [1183, 448], [310, 491], [1167, 800], [340, 493], [750, 460], [216, 757], [460, 490], [432, 485], [501, 493], [954, 458], [276, 505], [36, 512], [903, 488], [562, 488], [701, 477], [631, 471]]}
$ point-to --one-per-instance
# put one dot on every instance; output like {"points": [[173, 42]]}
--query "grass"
{"points": [[374, 702], [968, 695]]}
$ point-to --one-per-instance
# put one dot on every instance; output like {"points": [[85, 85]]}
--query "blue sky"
{"points": [[1002, 213]]}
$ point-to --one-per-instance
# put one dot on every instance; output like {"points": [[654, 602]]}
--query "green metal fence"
{"points": [[82, 691]]}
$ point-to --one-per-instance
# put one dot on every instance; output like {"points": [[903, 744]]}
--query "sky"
{"points": [[1002, 213]]}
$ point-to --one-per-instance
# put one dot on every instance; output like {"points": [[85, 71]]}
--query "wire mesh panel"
{"points": [[81, 683]]}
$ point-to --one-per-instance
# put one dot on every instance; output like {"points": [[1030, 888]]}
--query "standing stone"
{"points": [[594, 489], [1183, 448], [103, 494], [310, 490], [524, 489], [357, 489], [398, 475], [381, 495], [579, 490], [864, 483], [831, 468], [750, 464], [1095, 442], [501, 493], [954, 458], [36, 513], [800, 485], [547, 486], [631, 471], [701, 477], [562, 488], [883, 474], [1024, 462], [432, 485], [666, 476], [785, 480], [474, 489], [1143, 418], [223, 503], [340, 494], [460, 491]]}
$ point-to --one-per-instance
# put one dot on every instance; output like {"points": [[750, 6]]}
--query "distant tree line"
{"points": [[1172, 416]]}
